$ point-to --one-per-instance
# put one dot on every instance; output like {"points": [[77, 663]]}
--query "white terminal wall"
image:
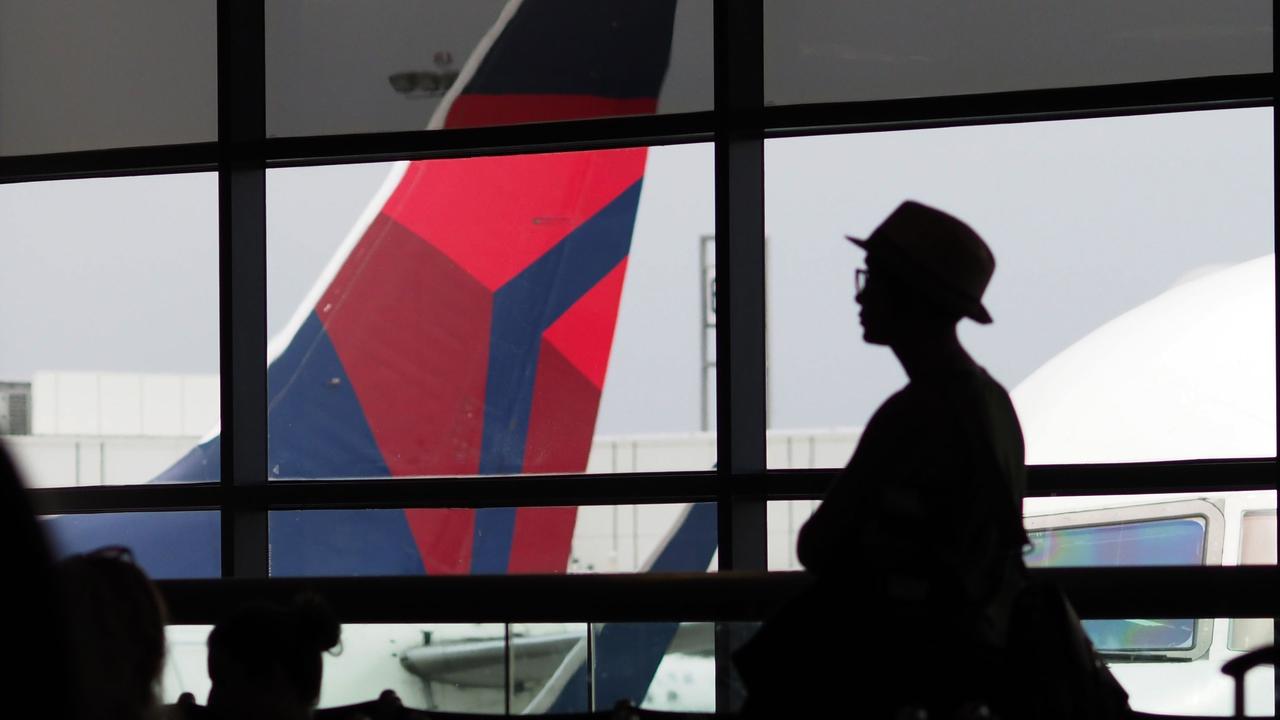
{"points": [[123, 404]]}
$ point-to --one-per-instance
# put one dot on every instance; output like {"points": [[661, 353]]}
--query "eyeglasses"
{"points": [[859, 281]]}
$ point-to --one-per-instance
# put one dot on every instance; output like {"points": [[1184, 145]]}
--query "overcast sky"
{"points": [[1087, 220]]}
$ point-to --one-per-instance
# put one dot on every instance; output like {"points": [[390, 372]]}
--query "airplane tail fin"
{"points": [[465, 325]]}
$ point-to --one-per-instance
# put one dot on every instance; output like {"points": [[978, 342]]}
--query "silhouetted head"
{"points": [[925, 270], [117, 619], [265, 661]]}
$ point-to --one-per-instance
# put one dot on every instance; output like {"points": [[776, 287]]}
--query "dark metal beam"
{"points": [[1190, 476], [1203, 476], [242, 280], [740, 285], [487, 491], [740, 307], [594, 134], [197, 157], [1153, 592], [1210, 93]]}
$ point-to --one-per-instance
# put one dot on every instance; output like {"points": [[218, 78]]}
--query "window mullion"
{"points": [[242, 282], [740, 332]]}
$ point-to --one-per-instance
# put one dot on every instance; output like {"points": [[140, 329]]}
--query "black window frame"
{"points": [[741, 485]]}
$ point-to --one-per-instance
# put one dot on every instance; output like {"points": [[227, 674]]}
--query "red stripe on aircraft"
{"points": [[543, 540], [412, 331], [475, 110], [494, 216], [584, 334], [444, 539], [563, 417]]}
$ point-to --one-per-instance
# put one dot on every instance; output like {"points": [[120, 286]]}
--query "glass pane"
{"points": [[1189, 685], [429, 666], [685, 678], [1252, 633], [464, 667], [1257, 547], [1153, 542], [1141, 635], [548, 668], [1167, 665], [349, 67], [109, 351], [784, 520], [487, 541], [1133, 297], [84, 76], [1258, 537], [833, 51], [1104, 530], [503, 315], [167, 545]]}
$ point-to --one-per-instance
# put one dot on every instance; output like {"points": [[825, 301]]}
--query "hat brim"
{"points": [[968, 307]]}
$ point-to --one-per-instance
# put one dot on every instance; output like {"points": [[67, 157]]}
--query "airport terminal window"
{"points": [[1172, 197], [346, 67], [109, 345], [924, 48], [424, 324], [142, 72], [1120, 332]]}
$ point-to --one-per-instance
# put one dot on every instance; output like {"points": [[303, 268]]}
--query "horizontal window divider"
{"points": [[590, 134], [1179, 476], [1213, 591], [1230, 91], [1208, 93], [127, 498], [1198, 476], [470, 492], [1150, 592], [160, 159], [488, 491]]}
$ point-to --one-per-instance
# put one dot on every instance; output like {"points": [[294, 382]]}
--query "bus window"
{"points": [[1166, 541], [1257, 547], [1177, 541]]}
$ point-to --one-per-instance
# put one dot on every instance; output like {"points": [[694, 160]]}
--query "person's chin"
{"points": [[870, 337]]}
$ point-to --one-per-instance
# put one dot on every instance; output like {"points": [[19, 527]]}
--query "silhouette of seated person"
{"points": [[916, 548], [265, 660], [39, 677], [117, 618]]}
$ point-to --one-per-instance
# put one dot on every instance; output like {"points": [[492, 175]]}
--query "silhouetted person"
{"points": [[265, 661], [117, 618], [917, 546], [38, 678]]}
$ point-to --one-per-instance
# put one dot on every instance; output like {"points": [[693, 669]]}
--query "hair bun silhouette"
{"points": [[266, 649], [318, 625]]}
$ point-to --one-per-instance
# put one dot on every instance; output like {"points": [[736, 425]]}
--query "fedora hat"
{"points": [[936, 253]]}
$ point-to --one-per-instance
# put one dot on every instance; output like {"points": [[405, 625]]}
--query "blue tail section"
{"points": [[628, 654], [177, 545]]}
